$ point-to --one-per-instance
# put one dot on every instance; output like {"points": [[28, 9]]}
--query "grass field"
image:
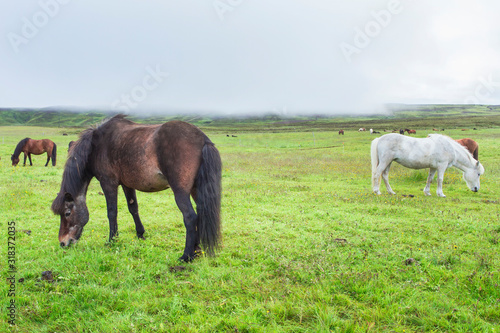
{"points": [[306, 246]]}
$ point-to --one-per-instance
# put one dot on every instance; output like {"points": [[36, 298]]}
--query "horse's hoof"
{"points": [[187, 258]]}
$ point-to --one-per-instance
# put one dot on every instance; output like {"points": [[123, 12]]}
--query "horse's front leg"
{"points": [[190, 220], [25, 157], [133, 208], [29, 157], [427, 189], [110, 192], [440, 177]]}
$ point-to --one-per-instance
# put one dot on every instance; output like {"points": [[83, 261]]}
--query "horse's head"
{"points": [[472, 175], [15, 160], [74, 216]]}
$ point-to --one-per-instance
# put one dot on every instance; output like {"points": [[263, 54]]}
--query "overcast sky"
{"points": [[248, 56]]}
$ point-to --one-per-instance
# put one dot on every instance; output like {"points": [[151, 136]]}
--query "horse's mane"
{"points": [[76, 172], [20, 146]]}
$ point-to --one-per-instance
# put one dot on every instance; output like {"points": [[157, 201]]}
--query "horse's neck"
{"points": [[463, 160]]}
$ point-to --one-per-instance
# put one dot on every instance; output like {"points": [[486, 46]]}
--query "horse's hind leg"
{"points": [[385, 177], [133, 208], [427, 189], [190, 222], [48, 159], [376, 176]]}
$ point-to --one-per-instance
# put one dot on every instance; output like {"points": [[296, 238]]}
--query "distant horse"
{"points": [[362, 130], [402, 131], [148, 158], [410, 131], [436, 152], [71, 144], [471, 146], [341, 132], [37, 147]]}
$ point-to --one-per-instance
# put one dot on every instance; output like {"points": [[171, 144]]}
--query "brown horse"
{"points": [[410, 131], [471, 146], [37, 147], [341, 132], [148, 158]]}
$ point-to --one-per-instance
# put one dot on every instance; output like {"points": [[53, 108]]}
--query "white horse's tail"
{"points": [[374, 155]]}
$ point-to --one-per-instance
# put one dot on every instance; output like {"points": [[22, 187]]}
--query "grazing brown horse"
{"points": [[37, 147], [410, 131], [471, 146], [148, 158], [341, 132]]}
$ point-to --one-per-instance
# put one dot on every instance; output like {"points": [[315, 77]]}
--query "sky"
{"points": [[248, 56]]}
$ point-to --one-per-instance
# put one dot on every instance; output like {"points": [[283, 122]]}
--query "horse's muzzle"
{"points": [[475, 189], [67, 243]]}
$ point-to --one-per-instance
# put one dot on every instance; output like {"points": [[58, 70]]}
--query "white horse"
{"points": [[436, 152]]}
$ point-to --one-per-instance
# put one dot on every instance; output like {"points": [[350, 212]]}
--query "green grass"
{"points": [[307, 246]]}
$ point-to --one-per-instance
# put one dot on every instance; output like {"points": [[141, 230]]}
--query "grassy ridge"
{"points": [[307, 247], [397, 116]]}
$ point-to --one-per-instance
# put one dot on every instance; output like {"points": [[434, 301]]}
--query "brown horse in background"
{"points": [[341, 132], [148, 158], [37, 147], [471, 146]]}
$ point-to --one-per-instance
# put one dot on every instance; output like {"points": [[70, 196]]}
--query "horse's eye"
{"points": [[67, 213]]}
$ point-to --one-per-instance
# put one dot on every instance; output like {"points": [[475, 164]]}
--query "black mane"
{"points": [[19, 147], [76, 173]]}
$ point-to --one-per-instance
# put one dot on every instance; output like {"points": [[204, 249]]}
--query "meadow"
{"points": [[306, 246]]}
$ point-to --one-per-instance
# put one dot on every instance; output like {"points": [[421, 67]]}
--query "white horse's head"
{"points": [[472, 175]]}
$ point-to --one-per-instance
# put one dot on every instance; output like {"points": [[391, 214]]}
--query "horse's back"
{"points": [[415, 153], [149, 157]]}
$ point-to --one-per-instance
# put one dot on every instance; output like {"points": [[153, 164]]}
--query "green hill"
{"points": [[397, 116]]}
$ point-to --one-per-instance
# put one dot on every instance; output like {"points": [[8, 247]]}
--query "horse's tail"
{"points": [[54, 155], [476, 153], [208, 198], [374, 156]]}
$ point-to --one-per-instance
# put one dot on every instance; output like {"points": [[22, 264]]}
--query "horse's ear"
{"points": [[68, 197], [477, 164]]}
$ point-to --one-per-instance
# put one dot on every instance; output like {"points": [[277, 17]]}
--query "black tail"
{"points": [[54, 155], [208, 198]]}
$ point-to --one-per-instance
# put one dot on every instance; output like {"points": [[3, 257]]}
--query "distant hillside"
{"points": [[27, 117], [397, 116]]}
